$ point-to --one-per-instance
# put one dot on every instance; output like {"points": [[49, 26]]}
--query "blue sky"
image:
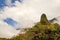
{"points": [[9, 21], [3, 2]]}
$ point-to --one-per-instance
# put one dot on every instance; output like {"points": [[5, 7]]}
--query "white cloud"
{"points": [[29, 12], [8, 2], [7, 31]]}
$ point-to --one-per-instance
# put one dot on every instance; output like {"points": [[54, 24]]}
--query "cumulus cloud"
{"points": [[29, 11]]}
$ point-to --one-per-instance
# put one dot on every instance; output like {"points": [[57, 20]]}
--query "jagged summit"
{"points": [[44, 20]]}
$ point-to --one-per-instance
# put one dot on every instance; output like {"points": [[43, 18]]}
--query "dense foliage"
{"points": [[42, 30]]}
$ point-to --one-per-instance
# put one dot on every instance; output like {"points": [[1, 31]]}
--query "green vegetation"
{"points": [[42, 30]]}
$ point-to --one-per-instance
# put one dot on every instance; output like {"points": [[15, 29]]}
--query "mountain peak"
{"points": [[44, 20]]}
